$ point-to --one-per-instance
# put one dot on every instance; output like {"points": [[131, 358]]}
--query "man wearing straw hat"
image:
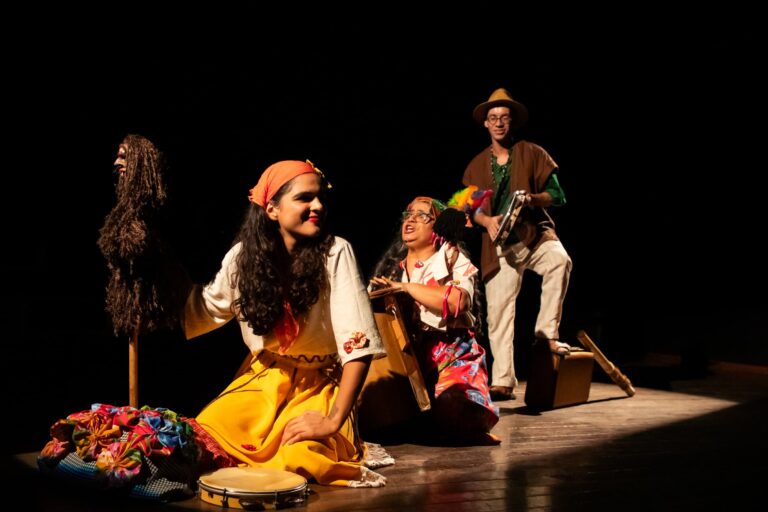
{"points": [[510, 164]]}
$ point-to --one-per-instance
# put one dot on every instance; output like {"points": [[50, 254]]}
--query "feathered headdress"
{"points": [[469, 199]]}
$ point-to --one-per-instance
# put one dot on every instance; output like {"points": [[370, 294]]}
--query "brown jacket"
{"points": [[531, 168]]}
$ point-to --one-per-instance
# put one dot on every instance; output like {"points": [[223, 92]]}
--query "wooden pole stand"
{"points": [[133, 370]]}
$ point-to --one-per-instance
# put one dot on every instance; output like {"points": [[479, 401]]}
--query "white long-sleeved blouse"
{"points": [[340, 314]]}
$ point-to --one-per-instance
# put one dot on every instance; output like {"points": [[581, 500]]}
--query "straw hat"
{"points": [[501, 98]]}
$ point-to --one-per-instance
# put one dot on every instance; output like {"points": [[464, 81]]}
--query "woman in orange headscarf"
{"points": [[306, 318]]}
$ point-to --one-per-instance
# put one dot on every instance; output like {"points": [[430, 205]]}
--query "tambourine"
{"points": [[510, 217], [253, 488]]}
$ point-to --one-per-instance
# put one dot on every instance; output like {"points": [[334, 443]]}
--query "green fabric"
{"points": [[501, 195], [555, 190]]}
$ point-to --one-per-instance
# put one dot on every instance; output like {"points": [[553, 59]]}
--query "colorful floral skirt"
{"points": [[453, 364]]}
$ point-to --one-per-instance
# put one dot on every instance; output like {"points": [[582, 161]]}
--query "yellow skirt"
{"points": [[247, 420]]}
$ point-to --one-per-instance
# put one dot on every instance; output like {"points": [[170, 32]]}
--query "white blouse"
{"points": [[342, 311], [435, 272]]}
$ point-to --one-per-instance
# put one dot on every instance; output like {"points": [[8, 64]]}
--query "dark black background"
{"points": [[657, 131]]}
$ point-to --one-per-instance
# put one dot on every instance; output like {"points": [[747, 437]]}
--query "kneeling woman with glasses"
{"points": [[429, 263]]}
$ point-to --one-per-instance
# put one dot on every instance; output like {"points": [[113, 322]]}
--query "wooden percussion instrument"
{"points": [[253, 488], [556, 380], [394, 390]]}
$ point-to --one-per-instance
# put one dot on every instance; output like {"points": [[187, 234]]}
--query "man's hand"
{"points": [[541, 200], [491, 224]]}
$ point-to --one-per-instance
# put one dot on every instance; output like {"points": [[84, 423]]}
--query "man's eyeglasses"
{"points": [[418, 216], [505, 119]]}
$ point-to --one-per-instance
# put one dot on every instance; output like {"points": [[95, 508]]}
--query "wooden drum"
{"points": [[253, 488], [394, 391]]}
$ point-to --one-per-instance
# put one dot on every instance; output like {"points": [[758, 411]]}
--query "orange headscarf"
{"points": [[275, 177]]}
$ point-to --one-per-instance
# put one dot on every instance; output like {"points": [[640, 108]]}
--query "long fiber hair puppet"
{"points": [[147, 286]]}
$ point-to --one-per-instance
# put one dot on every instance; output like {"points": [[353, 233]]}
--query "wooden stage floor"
{"points": [[678, 444]]}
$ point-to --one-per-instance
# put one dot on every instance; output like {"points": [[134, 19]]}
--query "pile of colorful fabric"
{"points": [[147, 453]]}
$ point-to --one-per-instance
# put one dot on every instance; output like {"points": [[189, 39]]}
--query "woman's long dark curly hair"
{"points": [[147, 285], [267, 276]]}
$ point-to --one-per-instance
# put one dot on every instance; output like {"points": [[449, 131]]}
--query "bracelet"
{"points": [[458, 304], [445, 299]]}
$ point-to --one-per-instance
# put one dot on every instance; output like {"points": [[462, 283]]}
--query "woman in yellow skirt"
{"points": [[305, 315]]}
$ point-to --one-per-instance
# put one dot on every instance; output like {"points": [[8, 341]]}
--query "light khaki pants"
{"points": [[553, 264]]}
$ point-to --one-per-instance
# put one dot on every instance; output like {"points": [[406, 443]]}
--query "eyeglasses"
{"points": [[418, 216], [505, 119]]}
